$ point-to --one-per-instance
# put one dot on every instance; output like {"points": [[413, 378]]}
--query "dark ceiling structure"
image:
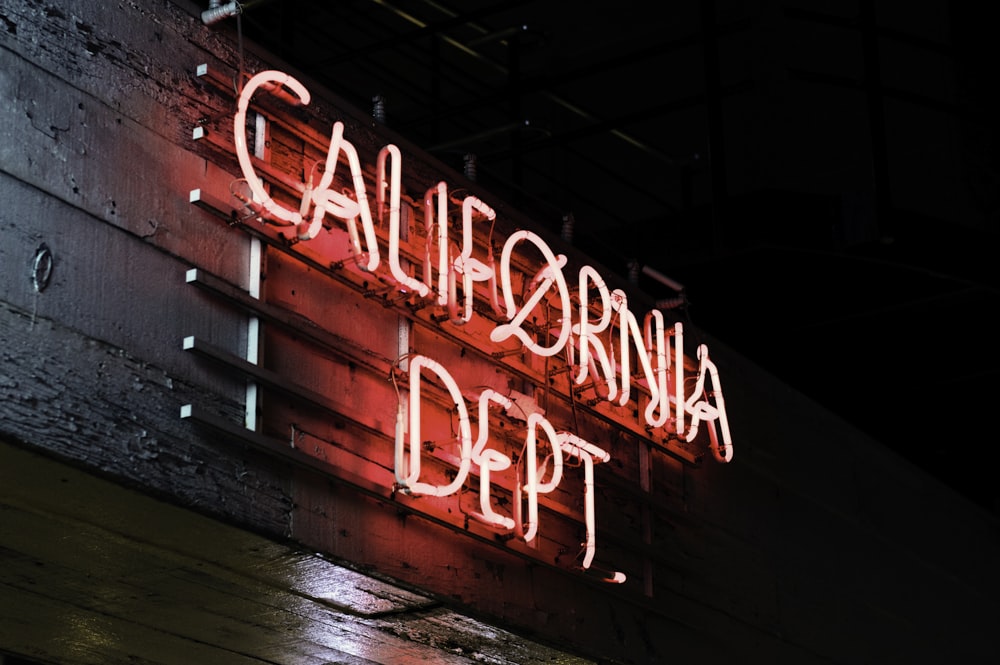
{"points": [[759, 154]]}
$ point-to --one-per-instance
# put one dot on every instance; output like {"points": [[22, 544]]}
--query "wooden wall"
{"points": [[814, 544]]}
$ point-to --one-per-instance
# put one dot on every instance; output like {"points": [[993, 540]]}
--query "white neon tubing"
{"points": [[334, 202], [485, 397], [409, 480], [468, 277], [441, 219], [391, 153], [588, 332], [725, 455], [529, 529], [306, 197], [656, 343], [630, 333], [346, 209], [557, 460], [720, 405], [471, 269], [264, 80], [679, 378], [371, 237], [551, 273], [702, 410], [490, 459], [429, 233], [531, 484], [452, 299], [494, 295], [699, 408], [470, 203], [469, 273], [587, 452], [474, 270], [444, 254], [442, 239]]}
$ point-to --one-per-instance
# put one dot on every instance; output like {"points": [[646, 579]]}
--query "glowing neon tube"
{"points": [[528, 529], [268, 79], [346, 208], [490, 459], [587, 452], [391, 153], [549, 274], [471, 269], [655, 341], [588, 331], [700, 409], [441, 192], [408, 481], [630, 335]]}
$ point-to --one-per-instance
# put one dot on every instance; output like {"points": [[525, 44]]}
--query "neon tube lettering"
{"points": [[441, 192], [700, 409], [549, 274], [321, 197], [588, 332], [408, 481], [264, 79], [679, 379], [391, 154], [452, 266], [468, 268], [490, 459], [629, 332], [345, 208], [588, 452], [471, 269], [531, 483], [656, 344]]}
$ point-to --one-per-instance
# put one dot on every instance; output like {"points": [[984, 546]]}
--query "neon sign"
{"points": [[449, 274]]}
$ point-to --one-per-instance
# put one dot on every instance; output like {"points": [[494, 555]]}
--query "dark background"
{"points": [[821, 178]]}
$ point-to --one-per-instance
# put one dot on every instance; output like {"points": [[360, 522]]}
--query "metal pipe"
{"points": [[217, 12]]}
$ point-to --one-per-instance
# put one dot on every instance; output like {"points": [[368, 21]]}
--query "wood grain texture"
{"points": [[814, 546]]}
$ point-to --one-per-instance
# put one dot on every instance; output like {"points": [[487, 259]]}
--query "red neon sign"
{"points": [[450, 262]]}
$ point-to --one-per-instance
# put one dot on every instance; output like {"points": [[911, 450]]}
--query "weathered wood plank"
{"points": [[134, 580], [110, 167], [90, 402], [810, 537]]}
